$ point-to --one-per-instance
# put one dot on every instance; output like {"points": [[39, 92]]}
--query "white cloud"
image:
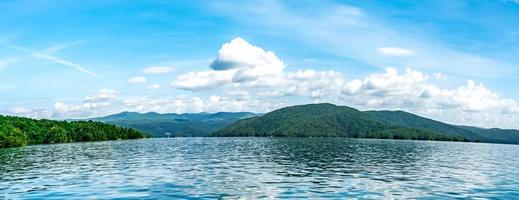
{"points": [[65, 62], [241, 64], [158, 70], [62, 109], [411, 90], [137, 80], [238, 62], [102, 95], [204, 80], [154, 86], [212, 103], [21, 111], [97, 103], [56, 48], [239, 54], [395, 51]]}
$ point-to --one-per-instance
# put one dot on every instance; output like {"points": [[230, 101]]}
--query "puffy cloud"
{"points": [[86, 109], [63, 109], [239, 54], [475, 98], [238, 62], [196, 81], [395, 51], [470, 104], [137, 80], [158, 70], [239, 67], [97, 103], [387, 84]]}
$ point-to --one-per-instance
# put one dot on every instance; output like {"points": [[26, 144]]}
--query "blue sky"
{"points": [[454, 61]]}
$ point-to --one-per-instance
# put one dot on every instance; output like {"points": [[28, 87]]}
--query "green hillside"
{"points": [[405, 119], [179, 125], [325, 120], [495, 135], [328, 120], [19, 131]]}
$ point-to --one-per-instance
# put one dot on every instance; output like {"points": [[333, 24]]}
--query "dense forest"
{"points": [[327, 120], [19, 131]]}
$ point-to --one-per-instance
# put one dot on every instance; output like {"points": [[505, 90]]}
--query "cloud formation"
{"points": [[268, 85], [102, 95], [238, 62], [411, 90]]}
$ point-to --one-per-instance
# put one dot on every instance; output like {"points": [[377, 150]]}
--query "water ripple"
{"points": [[260, 168]]}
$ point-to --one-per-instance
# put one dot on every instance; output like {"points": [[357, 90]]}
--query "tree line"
{"points": [[20, 131]]}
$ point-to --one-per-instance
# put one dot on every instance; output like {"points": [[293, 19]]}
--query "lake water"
{"points": [[254, 168]]}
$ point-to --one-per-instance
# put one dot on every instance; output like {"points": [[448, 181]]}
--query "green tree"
{"points": [[11, 136], [57, 135]]}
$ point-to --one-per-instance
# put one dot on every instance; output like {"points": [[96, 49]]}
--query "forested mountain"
{"points": [[328, 120], [20, 131], [304, 121], [179, 125], [496, 135], [405, 119]]}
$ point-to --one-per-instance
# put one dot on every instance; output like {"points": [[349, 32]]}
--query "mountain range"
{"points": [[178, 125], [328, 120], [311, 120]]}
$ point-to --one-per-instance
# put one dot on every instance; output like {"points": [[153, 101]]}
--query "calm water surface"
{"points": [[255, 168]]}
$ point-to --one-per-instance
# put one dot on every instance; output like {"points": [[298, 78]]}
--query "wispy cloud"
{"points": [[56, 48], [45, 56], [395, 51]]}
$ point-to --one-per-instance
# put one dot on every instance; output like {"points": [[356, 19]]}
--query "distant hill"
{"points": [[21, 131], [307, 120], [328, 120], [496, 135], [179, 125]]}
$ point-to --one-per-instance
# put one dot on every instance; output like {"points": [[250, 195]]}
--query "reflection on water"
{"points": [[252, 168]]}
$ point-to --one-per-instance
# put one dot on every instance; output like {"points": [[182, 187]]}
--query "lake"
{"points": [[255, 168]]}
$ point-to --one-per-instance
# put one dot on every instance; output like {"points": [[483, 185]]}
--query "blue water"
{"points": [[255, 168]]}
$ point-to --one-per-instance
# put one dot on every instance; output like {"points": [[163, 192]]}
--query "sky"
{"points": [[453, 61]]}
